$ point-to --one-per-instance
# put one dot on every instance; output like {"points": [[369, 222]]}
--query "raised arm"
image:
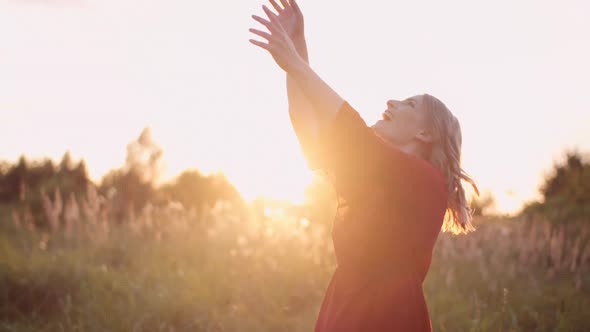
{"points": [[312, 103], [333, 135], [301, 111], [324, 101]]}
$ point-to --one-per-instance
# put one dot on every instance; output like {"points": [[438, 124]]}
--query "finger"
{"points": [[264, 22], [274, 20], [295, 5], [262, 34], [276, 6], [285, 4], [260, 44], [269, 13]]}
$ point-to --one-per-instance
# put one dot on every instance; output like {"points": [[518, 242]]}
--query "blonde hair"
{"points": [[445, 155]]}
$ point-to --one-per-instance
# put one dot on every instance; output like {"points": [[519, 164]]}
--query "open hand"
{"points": [[279, 44], [290, 17]]}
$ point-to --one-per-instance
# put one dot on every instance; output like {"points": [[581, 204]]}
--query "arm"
{"points": [[312, 103], [301, 112], [311, 98]]}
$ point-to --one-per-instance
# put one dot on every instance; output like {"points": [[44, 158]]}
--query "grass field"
{"points": [[222, 273]]}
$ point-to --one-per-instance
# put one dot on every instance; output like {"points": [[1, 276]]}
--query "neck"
{"points": [[413, 147]]}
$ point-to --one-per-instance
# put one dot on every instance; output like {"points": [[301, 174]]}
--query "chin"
{"points": [[378, 132], [377, 124]]}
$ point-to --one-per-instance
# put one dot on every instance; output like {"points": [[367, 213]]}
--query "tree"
{"points": [[134, 184], [190, 188], [566, 190], [195, 190], [144, 157], [66, 163], [13, 185], [80, 177]]}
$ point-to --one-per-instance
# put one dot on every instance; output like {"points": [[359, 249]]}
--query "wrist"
{"points": [[299, 69], [301, 46]]}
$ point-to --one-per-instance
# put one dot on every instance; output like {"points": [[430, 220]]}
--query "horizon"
{"points": [[492, 210]]}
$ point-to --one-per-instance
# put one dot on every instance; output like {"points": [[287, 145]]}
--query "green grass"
{"points": [[265, 276]]}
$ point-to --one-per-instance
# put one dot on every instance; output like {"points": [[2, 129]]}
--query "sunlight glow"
{"points": [[88, 78]]}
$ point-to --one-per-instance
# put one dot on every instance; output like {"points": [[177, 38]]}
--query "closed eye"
{"points": [[410, 102]]}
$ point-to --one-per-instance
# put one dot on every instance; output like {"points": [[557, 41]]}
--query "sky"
{"points": [[88, 76]]}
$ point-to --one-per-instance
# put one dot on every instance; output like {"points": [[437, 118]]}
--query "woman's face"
{"points": [[402, 121]]}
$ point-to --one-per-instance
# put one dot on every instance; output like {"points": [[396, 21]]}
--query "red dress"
{"points": [[390, 212]]}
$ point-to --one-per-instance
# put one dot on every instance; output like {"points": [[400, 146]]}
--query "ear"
{"points": [[424, 136]]}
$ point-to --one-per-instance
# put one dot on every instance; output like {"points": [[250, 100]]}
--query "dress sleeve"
{"points": [[349, 151], [360, 163]]}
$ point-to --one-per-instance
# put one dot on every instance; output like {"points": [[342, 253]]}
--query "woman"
{"points": [[398, 182]]}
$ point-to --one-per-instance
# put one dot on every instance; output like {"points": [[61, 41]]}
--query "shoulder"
{"points": [[411, 173]]}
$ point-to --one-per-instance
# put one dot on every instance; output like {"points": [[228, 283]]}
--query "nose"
{"points": [[391, 103]]}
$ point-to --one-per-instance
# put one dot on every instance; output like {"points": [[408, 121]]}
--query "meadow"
{"points": [[171, 270]]}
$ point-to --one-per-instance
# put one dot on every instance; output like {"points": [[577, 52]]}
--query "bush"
{"points": [[566, 191]]}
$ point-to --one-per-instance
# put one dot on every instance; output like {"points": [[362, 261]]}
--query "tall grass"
{"points": [[167, 269]]}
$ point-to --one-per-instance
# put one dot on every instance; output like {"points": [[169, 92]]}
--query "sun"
{"points": [[284, 187]]}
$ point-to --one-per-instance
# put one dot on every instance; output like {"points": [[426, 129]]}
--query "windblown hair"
{"points": [[445, 155]]}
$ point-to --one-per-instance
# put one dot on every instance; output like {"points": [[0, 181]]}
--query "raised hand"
{"points": [[290, 17], [279, 44]]}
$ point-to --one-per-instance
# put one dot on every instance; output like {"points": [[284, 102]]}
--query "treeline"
{"points": [[565, 191], [33, 186]]}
